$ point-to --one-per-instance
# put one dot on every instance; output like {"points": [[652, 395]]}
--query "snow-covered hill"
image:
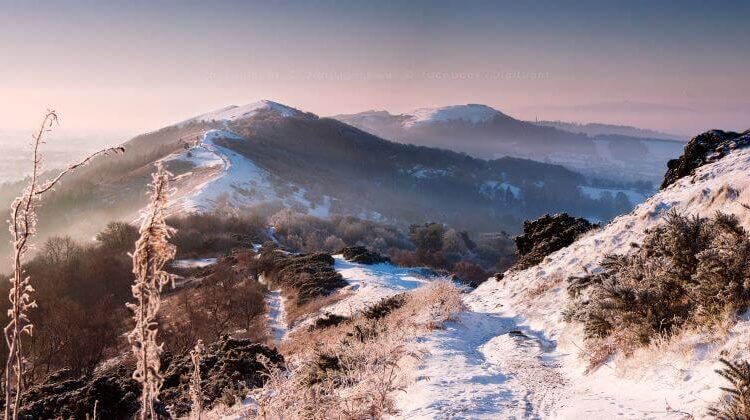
{"points": [[473, 113], [512, 356], [266, 152]]}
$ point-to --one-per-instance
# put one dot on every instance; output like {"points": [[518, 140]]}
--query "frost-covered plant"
{"points": [[22, 225], [735, 403], [196, 394], [152, 251], [689, 270]]}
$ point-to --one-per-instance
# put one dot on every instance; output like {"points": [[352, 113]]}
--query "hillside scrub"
{"points": [[306, 280], [444, 248], [688, 271], [217, 232], [352, 369], [227, 299], [735, 403]]}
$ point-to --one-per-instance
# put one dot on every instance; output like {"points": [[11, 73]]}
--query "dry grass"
{"points": [[541, 287], [352, 370], [295, 313]]}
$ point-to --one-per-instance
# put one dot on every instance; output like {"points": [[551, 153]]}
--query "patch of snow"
{"points": [[276, 315], [595, 193], [222, 174], [481, 367], [371, 283], [193, 263], [423, 172], [473, 113]]}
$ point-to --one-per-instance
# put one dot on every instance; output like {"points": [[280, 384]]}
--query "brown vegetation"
{"points": [[352, 369], [688, 271]]}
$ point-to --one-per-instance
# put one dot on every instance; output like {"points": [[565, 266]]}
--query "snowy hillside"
{"points": [[512, 356], [473, 113], [222, 174]]}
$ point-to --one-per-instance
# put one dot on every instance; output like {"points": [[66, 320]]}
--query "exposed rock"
{"points": [[228, 369], [703, 149], [362, 255], [546, 235], [328, 320]]}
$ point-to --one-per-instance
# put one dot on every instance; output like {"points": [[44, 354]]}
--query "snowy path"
{"points": [[484, 366], [276, 315]]}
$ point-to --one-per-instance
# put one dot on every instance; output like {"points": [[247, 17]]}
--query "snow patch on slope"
{"points": [[371, 283], [473, 113], [276, 315], [222, 174]]}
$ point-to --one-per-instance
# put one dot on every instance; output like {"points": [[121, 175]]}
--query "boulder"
{"points": [[362, 255], [701, 150], [546, 235]]}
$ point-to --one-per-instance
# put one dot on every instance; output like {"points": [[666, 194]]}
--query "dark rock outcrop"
{"points": [[703, 149], [362, 255], [546, 235], [311, 275], [228, 369]]}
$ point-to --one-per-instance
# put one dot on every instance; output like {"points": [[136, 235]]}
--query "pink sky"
{"points": [[137, 67]]}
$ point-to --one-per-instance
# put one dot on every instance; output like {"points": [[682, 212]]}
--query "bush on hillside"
{"points": [[689, 270], [362, 255], [735, 403]]}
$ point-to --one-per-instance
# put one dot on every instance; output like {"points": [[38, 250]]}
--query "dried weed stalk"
{"points": [[152, 251]]}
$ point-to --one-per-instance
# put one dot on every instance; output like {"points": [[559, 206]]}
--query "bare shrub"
{"points": [[22, 225], [227, 300], [152, 251], [215, 233]]}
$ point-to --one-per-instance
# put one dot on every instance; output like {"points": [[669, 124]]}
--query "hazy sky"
{"points": [[134, 66]]}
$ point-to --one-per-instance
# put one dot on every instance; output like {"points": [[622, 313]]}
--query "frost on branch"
{"points": [[22, 226], [152, 251]]}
